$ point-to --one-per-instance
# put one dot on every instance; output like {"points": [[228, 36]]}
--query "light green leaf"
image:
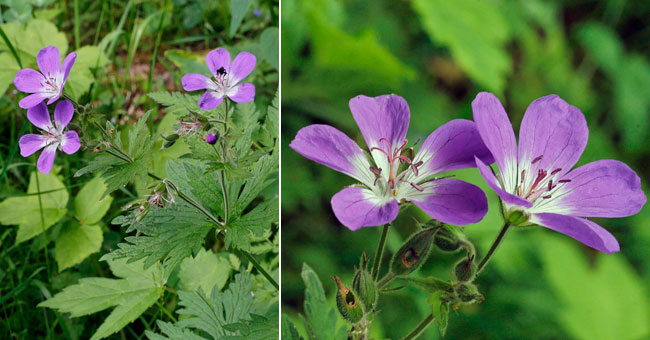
{"points": [[205, 270], [440, 311], [81, 76], [321, 319], [76, 242], [89, 205], [238, 9], [241, 231], [268, 46], [475, 31], [132, 295], [25, 212], [602, 44]]}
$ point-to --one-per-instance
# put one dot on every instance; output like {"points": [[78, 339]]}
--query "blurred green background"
{"points": [[439, 54]]}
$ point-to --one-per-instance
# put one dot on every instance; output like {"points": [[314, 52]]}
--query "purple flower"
{"points": [[211, 138], [52, 137], [394, 178], [257, 12], [225, 79], [47, 84], [535, 180]]}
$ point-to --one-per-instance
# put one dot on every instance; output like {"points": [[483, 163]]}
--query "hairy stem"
{"points": [[421, 327], [259, 268], [493, 248], [380, 252], [189, 200]]}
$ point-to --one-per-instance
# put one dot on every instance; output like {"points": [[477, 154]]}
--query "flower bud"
{"points": [[349, 306], [448, 238], [517, 217], [412, 253], [365, 287], [468, 293], [465, 269], [211, 139]]}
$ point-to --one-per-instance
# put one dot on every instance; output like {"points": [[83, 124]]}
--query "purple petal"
{"points": [[217, 59], [242, 93], [49, 61], [40, 117], [32, 100], [46, 159], [453, 146], [70, 143], [379, 117], [63, 114], [242, 66], [195, 81], [328, 146], [580, 229], [356, 208], [210, 100], [67, 65], [605, 188], [555, 130], [29, 81], [496, 186], [30, 143], [452, 201], [496, 131], [55, 98]]}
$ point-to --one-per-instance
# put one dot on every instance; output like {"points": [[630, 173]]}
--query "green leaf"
{"points": [[177, 103], [25, 211], [76, 242], [89, 205], [238, 9], [321, 320], [205, 270], [258, 328], [241, 231], [475, 32], [135, 291], [268, 46], [81, 77], [602, 44], [261, 178], [172, 332], [440, 310], [289, 331]]}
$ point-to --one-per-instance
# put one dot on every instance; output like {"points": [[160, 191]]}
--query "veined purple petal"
{"points": [[452, 146], [496, 131], [217, 59], [29, 81], [55, 98], [604, 188], [242, 93], [40, 117], [195, 81], [49, 61], [63, 114], [30, 143], [554, 130], [356, 208], [583, 230], [379, 117], [210, 100], [496, 186], [452, 201], [67, 65], [70, 143], [328, 146], [242, 66], [46, 159], [32, 100]]}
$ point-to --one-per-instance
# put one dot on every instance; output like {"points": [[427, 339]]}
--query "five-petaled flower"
{"points": [[535, 183], [47, 84], [395, 178], [225, 79], [52, 136]]}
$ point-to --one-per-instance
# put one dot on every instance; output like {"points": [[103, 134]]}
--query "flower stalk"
{"points": [[380, 251], [493, 248], [420, 328]]}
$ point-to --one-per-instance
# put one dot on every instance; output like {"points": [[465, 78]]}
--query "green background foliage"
{"points": [[438, 55]]}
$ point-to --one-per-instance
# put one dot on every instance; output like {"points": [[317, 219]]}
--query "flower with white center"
{"points": [[52, 136], [49, 82], [394, 178]]}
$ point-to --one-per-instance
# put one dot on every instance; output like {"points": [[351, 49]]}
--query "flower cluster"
{"points": [[47, 84]]}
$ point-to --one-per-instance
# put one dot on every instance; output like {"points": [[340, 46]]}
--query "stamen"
{"points": [[564, 181], [550, 185], [404, 159], [381, 150], [556, 171], [375, 171], [546, 197], [416, 187], [398, 150], [536, 159], [523, 175]]}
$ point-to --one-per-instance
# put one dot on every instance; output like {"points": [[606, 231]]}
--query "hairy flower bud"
{"points": [[365, 287], [169, 140], [412, 253], [517, 217], [350, 307], [449, 238], [211, 139], [465, 269]]}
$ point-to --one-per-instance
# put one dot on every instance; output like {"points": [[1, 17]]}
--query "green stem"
{"points": [[419, 328], [384, 281], [493, 248], [190, 201], [380, 251], [40, 207], [226, 212], [260, 268]]}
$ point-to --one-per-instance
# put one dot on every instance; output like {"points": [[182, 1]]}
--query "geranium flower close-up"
{"points": [[52, 136], [393, 177], [536, 182], [225, 79], [49, 82]]}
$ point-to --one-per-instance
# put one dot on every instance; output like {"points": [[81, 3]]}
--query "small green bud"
{"points": [[465, 269], [365, 287], [517, 217], [349, 306], [171, 137], [412, 253], [468, 293], [449, 238]]}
